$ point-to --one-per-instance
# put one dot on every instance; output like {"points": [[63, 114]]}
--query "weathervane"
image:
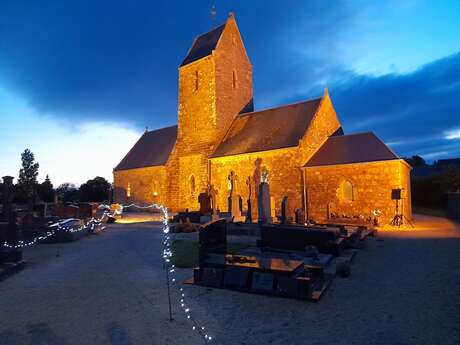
{"points": [[213, 13]]}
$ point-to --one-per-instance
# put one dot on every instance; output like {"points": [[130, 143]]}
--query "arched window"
{"points": [[128, 190], [196, 80], [347, 191], [234, 79], [192, 184]]}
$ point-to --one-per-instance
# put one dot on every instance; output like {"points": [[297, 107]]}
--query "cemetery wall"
{"points": [[372, 184], [143, 184], [285, 178]]}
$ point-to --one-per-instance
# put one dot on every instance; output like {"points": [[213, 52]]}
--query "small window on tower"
{"points": [[128, 190], [196, 81], [192, 184], [234, 79]]}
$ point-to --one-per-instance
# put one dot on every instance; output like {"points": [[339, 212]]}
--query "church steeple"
{"points": [[215, 84]]}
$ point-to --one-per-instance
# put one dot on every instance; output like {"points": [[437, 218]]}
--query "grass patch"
{"points": [[186, 252], [430, 211]]}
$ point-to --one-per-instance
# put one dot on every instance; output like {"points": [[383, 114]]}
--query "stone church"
{"points": [[323, 172]]}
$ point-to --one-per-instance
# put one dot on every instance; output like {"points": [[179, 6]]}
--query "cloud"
{"points": [[79, 62], [417, 109], [452, 134], [68, 154], [113, 59], [417, 112]]}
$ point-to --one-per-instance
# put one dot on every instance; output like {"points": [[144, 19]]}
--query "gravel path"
{"points": [[110, 289]]}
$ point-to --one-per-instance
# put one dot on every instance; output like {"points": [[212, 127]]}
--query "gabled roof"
{"points": [[353, 148], [152, 149], [268, 129], [203, 45]]}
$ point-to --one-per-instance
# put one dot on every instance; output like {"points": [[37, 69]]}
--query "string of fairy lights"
{"points": [[92, 224], [171, 271], [170, 268]]}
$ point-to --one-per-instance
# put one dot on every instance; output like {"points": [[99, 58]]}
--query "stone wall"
{"points": [[232, 62], [372, 184], [285, 177], [205, 113], [324, 124], [147, 185]]}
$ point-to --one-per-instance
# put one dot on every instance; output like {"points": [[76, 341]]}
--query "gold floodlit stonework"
{"points": [[214, 90]]}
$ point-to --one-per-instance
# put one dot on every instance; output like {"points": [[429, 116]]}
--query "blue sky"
{"points": [[80, 80]]}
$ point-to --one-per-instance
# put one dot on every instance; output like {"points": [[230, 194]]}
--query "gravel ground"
{"points": [[110, 289]]}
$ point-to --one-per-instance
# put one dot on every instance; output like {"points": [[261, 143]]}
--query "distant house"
{"points": [[302, 145]]}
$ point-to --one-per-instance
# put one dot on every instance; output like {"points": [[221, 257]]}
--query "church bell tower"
{"points": [[215, 85]]}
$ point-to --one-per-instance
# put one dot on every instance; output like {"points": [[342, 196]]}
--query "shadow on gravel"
{"points": [[41, 334], [117, 334]]}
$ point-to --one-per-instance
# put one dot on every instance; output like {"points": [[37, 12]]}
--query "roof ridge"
{"points": [[279, 107], [213, 29], [352, 134], [159, 129]]}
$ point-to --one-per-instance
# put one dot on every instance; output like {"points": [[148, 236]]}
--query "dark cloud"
{"points": [[88, 60], [413, 111], [83, 60]]}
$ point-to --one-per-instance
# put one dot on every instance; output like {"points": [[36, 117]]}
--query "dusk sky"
{"points": [[80, 80]]}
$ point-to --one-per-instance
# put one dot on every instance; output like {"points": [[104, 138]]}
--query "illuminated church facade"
{"points": [[323, 172]]}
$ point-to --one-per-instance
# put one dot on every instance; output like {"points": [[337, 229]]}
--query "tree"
{"points": [[95, 190], [27, 182], [46, 191], [67, 192], [416, 161]]}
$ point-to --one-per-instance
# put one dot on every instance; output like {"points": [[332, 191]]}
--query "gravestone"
{"points": [[234, 199], [236, 278], [262, 282], [212, 192], [7, 198], [212, 240], [9, 230], [283, 210], [287, 286], [249, 213], [212, 277], [205, 203], [299, 216], [264, 203]]}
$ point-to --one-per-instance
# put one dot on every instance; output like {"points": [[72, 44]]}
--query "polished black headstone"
{"points": [[262, 282], [236, 278], [287, 286], [211, 277], [305, 287]]}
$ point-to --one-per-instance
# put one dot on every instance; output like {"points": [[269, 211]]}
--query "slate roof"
{"points": [[354, 148], [268, 129], [152, 149], [203, 45]]}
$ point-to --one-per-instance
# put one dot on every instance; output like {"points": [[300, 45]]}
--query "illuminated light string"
{"points": [[167, 255], [91, 224], [170, 267]]}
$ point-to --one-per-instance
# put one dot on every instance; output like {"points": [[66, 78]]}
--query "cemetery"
{"points": [[50, 223], [286, 259]]}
